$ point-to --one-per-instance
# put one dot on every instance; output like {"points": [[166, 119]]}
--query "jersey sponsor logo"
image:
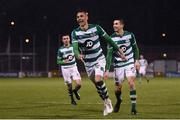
{"points": [[89, 44], [70, 57]]}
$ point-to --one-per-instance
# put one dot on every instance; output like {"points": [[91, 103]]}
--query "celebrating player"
{"points": [[127, 42], [66, 59], [86, 38]]}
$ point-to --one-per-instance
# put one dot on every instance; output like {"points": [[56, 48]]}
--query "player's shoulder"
{"points": [[128, 32], [76, 29], [113, 35], [61, 47]]}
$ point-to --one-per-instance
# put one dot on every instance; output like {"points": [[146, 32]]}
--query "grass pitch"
{"points": [[47, 98]]}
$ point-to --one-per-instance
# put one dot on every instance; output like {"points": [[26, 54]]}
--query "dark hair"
{"points": [[121, 20], [81, 10]]}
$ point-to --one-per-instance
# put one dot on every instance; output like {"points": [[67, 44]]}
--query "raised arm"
{"points": [[110, 41]]}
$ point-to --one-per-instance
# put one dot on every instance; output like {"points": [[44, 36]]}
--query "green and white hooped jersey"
{"points": [[143, 62], [124, 42], [66, 53], [89, 43]]}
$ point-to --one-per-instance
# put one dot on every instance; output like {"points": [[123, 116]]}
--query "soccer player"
{"points": [[127, 42], [86, 43], [65, 58], [143, 67]]}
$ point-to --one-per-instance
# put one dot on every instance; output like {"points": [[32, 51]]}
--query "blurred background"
{"points": [[30, 32]]}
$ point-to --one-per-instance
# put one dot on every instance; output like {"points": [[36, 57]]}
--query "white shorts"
{"points": [[70, 73], [121, 72], [142, 70], [97, 69]]}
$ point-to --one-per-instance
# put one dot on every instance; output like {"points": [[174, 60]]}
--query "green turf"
{"points": [[47, 98]]}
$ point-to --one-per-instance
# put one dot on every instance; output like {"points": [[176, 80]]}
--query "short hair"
{"points": [[121, 20], [64, 34], [82, 10]]}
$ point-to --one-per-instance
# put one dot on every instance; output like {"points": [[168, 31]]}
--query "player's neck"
{"points": [[84, 27], [66, 45], [120, 32]]}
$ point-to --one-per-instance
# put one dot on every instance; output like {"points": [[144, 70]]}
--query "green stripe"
{"points": [[117, 66], [93, 59], [87, 35], [121, 42], [67, 64], [92, 51]]}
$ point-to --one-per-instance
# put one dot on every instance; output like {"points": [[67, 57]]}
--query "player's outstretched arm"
{"points": [[114, 45], [110, 41]]}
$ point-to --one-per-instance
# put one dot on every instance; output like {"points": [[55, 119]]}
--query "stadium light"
{"points": [[163, 34], [27, 40], [165, 55], [12, 23]]}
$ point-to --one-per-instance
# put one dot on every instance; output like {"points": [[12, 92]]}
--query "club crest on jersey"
{"points": [[70, 57], [123, 47]]}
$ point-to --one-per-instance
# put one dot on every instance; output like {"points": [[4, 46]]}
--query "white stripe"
{"points": [[123, 63], [66, 49], [133, 101], [133, 96], [127, 57], [129, 50], [93, 55], [88, 64], [91, 30], [122, 38], [94, 38]]}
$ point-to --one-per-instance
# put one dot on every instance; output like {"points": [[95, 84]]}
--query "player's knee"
{"points": [[118, 86], [131, 84], [98, 78]]}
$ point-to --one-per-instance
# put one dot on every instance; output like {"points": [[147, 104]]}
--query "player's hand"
{"points": [[121, 54], [81, 57], [66, 61], [137, 65], [106, 75]]}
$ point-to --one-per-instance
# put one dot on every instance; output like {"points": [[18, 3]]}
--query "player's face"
{"points": [[82, 18], [117, 25], [141, 57], [66, 40]]}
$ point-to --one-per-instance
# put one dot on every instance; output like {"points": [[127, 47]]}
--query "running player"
{"points": [[127, 42], [65, 58], [143, 67], [86, 38]]}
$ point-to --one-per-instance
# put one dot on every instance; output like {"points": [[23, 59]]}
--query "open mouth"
{"points": [[80, 21]]}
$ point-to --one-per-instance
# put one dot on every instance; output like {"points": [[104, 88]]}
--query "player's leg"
{"points": [[131, 76], [140, 75], [144, 75], [68, 81], [76, 76], [119, 77], [101, 86]]}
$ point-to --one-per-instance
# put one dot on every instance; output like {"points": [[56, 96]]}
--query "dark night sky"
{"points": [[146, 18]]}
